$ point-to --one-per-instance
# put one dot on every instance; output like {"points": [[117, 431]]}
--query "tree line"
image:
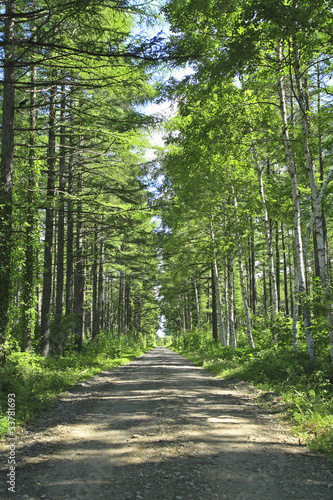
{"points": [[246, 217], [76, 236]]}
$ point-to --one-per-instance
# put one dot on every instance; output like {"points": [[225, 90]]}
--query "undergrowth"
{"points": [[36, 381], [305, 391]]}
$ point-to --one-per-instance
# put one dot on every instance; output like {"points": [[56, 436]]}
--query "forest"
{"points": [[225, 237]]}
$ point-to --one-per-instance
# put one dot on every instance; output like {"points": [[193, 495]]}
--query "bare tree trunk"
{"points": [[277, 264], [242, 280], [100, 301], [268, 232], [226, 301], [29, 292], [120, 304], [285, 275], [253, 274], [79, 281], [61, 222], [218, 289], [264, 283], [214, 313], [95, 317], [197, 303], [301, 97], [49, 221], [7, 163], [231, 300], [297, 217], [315, 195], [70, 227]]}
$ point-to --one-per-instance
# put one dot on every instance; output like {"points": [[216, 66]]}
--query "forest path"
{"points": [[161, 428]]}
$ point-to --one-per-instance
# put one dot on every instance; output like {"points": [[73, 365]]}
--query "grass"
{"points": [[37, 381], [304, 391]]}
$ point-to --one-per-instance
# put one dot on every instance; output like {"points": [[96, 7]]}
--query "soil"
{"points": [[160, 428]]}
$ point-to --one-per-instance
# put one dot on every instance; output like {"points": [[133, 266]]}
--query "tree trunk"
{"points": [[197, 303], [61, 222], [277, 264], [95, 317], [70, 224], [297, 217], [310, 165], [231, 300], [29, 292], [100, 300], [214, 313], [264, 283], [79, 272], [285, 275], [242, 280], [268, 231], [226, 300], [7, 163], [49, 219], [217, 289]]}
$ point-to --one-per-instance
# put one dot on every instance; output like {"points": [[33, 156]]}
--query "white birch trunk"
{"points": [[315, 195], [295, 314], [226, 303], [197, 303], [242, 280], [231, 300], [268, 232], [297, 216], [310, 165]]}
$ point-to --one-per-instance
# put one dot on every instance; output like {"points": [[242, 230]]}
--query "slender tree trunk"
{"points": [[95, 317], [277, 263], [61, 222], [295, 313], [242, 280], [100, 302], [297, 217], [268, 231], [197, 302], [29, 299], [231, 300], [290, 282], [49, 221], [7, 163], [264, 283], [214, 312], [285, 275], [209, 315], [253, 273], [79, 281], [127, 304], [217, 289], [70, 223], [120, 304], [226, 300]]}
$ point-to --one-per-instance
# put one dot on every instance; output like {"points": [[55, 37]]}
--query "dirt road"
{"points": [[161, 428]]}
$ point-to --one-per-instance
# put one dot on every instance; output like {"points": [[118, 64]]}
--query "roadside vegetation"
{"points": [[36, 381], [302, 392]]}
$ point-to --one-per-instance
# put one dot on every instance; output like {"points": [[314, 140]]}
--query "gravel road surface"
{"points": [[161, 428]]}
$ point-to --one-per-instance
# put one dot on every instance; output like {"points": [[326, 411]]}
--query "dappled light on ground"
{"points": [[160, 428]]}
